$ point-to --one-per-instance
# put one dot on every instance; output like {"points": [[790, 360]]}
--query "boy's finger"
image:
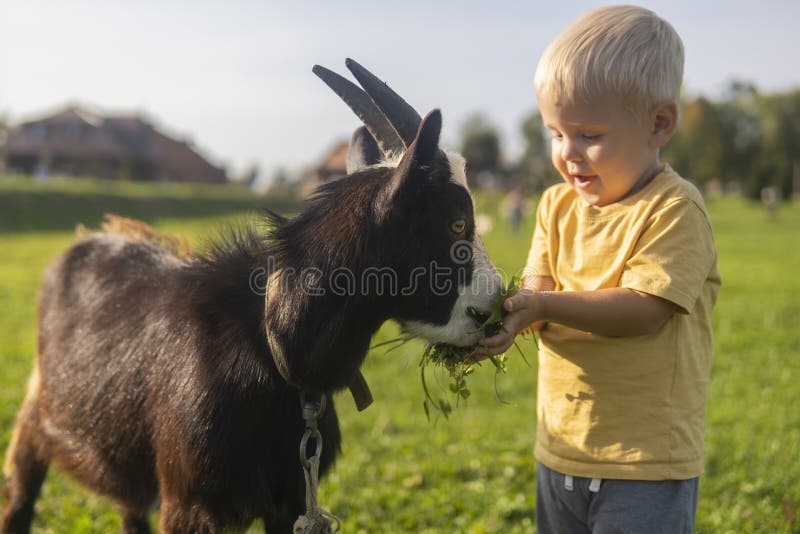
{"points": [[514, 303], [496, 339], [495, 344], [511, 325]]}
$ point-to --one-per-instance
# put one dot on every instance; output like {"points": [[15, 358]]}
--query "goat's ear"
{"points": [[363, 151], [417, 163], [426, 144]]}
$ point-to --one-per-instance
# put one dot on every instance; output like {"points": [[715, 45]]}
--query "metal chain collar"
{"points": [[312, 411], [316, 519]]}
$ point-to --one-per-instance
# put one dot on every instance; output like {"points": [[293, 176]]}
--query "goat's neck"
{"points": [[321, 334]]}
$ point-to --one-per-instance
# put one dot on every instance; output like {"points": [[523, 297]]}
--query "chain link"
{"points": [[309, 434], [315, 516]]}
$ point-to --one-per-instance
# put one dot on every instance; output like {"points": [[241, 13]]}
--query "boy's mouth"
{"points": [[584, 180]]}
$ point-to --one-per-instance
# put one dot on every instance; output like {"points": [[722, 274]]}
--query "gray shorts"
{"points": [[575, 505]]}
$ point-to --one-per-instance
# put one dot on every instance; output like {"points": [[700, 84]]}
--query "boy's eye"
{"points": [[591, 137]]}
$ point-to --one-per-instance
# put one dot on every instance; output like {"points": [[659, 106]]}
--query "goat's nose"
{"points": [[478, 316]]}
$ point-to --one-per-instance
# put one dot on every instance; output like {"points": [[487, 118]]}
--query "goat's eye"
{"points": [[458, 226]]}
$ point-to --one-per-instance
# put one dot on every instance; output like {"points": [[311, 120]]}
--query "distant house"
{"points": [[332, 167], [77, 142]]}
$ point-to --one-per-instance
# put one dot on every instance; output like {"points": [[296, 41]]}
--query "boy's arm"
{"points": [[613, 312], [537, 283]]}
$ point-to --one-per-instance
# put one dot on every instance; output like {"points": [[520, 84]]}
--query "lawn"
{"points": [[473, 472]]}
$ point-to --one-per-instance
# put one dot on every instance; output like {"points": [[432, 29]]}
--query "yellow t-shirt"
{"points": [[627, 407]]}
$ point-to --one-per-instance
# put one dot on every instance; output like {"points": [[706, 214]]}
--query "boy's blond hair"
{"points": [[627, 50]]}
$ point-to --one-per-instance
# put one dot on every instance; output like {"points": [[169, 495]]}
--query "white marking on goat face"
{"points": [[458, 168], [481, 294]]}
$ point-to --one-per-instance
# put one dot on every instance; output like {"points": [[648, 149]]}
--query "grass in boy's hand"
{"points": [[458, 361]]}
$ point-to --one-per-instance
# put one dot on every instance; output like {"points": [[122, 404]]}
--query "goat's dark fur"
{"points": [[163, 379]]}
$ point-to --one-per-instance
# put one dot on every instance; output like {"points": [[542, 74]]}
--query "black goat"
{"points": [[174, 382]]}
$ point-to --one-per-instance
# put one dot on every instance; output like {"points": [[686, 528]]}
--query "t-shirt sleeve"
{"points": [[538, 263], [673, 256]]}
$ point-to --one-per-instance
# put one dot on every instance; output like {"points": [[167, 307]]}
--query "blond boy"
{"points": [[623, 277]]}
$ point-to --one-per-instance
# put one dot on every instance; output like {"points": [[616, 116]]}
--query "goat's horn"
{"points": [[403, 117], [366, 110]]}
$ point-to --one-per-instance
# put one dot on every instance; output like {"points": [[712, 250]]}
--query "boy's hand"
{"points": [[523, 309]]}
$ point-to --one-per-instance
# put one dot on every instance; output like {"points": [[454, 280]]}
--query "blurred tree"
{"points": [[480, 144], [698, 150], [743, 134], [780, 150], [535, 163], [746, 137]]}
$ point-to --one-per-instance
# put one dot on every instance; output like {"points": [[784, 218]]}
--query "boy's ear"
{"points": [[664, 122]]}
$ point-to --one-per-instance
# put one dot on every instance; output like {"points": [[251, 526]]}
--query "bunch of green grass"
{"points": [[457, 361]]}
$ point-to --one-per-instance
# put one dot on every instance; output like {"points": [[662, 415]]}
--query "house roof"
{"points": [[71, 130], [77, 132], [181, 162]]}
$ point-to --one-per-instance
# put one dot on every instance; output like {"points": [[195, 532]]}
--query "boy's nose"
{"points": [[569, 151]]}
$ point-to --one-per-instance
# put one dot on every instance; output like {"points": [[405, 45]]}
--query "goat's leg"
{"points": [[179, 518], [26, 470], [134, 522]]}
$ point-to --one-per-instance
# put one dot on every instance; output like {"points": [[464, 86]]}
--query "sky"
{"points": [[235, 77]]}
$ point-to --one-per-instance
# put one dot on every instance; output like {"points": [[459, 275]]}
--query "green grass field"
{"points": [[474, 472]]}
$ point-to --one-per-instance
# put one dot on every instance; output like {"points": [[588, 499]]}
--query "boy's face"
{"points": [[599, 148]]}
